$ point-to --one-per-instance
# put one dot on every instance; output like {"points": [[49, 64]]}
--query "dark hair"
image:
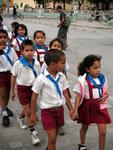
{"points": [[53, 55], [59, 7], [23, 27], [3, 31], [39, 31], [26, 42], [1, 19], [14, 24], [58, 40], [87, 62]]}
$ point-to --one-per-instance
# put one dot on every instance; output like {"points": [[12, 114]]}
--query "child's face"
{"points": [[40, 39], [3, 39], [94, 70], [56, 45], [21, 31], [28, 51], [60, 64]]}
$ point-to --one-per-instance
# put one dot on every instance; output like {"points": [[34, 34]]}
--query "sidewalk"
{"points": [[94, 24]]}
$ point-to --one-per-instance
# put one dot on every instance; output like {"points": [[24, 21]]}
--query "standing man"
{"points": [[62, 33], [14, 12]]}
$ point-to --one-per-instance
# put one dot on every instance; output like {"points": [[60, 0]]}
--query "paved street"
{"points": [[82, 41]]}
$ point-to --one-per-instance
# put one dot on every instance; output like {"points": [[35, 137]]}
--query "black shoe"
{"points": [[46, 148], [9, 112], [5, 121], [82, 147]]}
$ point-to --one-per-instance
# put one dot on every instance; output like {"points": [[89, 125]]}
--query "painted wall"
{"points": [[31, 3]]}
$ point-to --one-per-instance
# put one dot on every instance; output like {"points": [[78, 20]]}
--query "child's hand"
{"points": [[74, 115], [34, 118], [103, 98], [12, 95], [58, 25]]}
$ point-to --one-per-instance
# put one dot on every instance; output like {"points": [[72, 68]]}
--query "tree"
{"points": [[80, 2], [102, 4]]}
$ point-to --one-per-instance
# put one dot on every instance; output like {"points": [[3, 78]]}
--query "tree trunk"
{"points": [[54, 4], [80, 2], [64, 4]]}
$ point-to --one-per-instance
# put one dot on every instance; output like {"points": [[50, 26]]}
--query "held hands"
{"points": [[74, 115], [34, 118]]}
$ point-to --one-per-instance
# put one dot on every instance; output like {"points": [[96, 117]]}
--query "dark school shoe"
{"points": [[46, 148], [9, 112], [61, 131], [82, 147], [5, 121]]}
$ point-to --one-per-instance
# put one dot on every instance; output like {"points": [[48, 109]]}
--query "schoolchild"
{"points": [[91, 100], [24, 72], [51, 85], [7, 58]]}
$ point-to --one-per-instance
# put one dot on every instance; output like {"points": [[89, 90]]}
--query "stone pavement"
{"points": [[81, 42]]}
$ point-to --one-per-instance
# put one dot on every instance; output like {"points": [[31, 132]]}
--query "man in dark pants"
{"points": [[62, 33]]}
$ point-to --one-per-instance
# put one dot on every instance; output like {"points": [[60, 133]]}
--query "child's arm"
{"points": [[74, 114], [13, 81], [34, 117], [68, 102]]}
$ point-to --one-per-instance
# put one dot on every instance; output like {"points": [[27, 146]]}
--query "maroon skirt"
{"points": [[24, 94], [90, 112]]}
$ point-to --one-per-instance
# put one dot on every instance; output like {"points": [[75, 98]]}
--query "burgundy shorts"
{"points": [[24, 94], [52, 118], [5, 79]]}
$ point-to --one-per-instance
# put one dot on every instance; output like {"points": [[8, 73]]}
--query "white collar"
{"points": [[46, 73]]}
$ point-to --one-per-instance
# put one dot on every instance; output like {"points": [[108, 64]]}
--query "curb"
{"points": [[92, 27]]}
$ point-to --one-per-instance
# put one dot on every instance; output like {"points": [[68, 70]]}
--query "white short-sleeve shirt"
{"points": [[25, 75], [4, 63], [48, 95], [95, 91], [15, 43]]}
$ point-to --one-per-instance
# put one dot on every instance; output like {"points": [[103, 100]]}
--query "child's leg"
{"points": [[4, 97], [83, 132], [34, 134], [52, 135], [102, 135], [26, 110]]}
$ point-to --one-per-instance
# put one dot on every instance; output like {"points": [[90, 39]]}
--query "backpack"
{"points": [[67, 21]]}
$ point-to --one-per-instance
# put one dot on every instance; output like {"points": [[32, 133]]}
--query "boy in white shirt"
{"points": [[51, 85], [24, 72], [7, 58]]}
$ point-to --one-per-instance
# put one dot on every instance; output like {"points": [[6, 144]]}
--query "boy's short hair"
{"points": [[14, 24], [39, 31], [26, 42], [53, 55], [3, 31], [59, 7]]}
